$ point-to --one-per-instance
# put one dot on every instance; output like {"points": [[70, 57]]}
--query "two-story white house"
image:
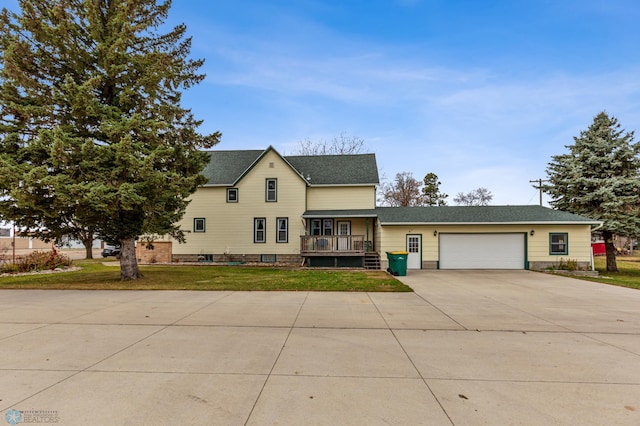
{"points": [[260, 206]]}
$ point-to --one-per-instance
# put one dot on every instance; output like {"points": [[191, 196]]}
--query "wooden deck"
{"points": [[334, 245]]}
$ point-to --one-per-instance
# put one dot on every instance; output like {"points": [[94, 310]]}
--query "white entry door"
{"points": [[344, 228], [414, 248]]}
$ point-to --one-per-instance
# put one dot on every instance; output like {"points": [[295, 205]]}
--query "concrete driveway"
{"points": [[467, 348]]}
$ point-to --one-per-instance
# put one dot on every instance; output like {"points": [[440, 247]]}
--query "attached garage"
{"points": [[482, 251], [485, 237]]}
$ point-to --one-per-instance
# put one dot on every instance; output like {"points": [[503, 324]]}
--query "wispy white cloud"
{"points": [[483, 123]]}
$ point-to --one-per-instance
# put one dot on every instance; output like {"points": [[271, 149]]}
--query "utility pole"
{"points": [[539, 182]]}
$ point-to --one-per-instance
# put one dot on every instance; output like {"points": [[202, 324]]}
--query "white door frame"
{"points": [[414, 248], [343, 243]]}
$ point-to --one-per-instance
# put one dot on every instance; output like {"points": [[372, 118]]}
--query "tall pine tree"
{"points": [[93, 137], [431, 191], [600, 178]]}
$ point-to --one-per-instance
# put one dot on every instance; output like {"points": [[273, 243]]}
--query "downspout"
{"points": [[593, 264], [366, 249]]}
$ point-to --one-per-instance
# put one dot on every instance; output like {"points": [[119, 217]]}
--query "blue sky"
{"points": [[482, 93]]}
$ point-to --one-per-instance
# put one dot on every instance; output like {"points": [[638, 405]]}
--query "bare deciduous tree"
{"points": [[404, 191], [478, 197], [343, 144]]}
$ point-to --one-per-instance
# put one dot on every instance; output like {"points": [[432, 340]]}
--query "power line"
{"points": [[539, 187]]}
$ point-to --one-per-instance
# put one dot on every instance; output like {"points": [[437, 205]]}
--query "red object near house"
{"points": [[598, 248]]}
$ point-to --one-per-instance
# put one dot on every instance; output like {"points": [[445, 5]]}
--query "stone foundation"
{"points": [[541, 266], [426, 264], [221, 258]]}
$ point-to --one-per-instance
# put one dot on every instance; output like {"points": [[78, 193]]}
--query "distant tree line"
{"points": [[406, 191]]}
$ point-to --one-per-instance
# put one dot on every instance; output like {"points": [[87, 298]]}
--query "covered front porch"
{"points": [[335, 238]]}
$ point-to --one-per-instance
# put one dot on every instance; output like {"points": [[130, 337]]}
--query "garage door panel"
{"points": [[482, 251]]}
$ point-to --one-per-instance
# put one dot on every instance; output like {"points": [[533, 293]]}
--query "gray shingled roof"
{"points": [[226, 167], [478, 214], [351, 169]]}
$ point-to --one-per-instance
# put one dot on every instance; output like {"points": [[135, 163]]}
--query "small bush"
{"points": [[42, 260], [566, 265], [8, 268]]}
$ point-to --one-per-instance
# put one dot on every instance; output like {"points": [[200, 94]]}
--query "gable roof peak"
{"points": [[226, 168]]}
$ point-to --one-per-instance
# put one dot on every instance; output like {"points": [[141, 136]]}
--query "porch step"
{"points": [[372, 261]]}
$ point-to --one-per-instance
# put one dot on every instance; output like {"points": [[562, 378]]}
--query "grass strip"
{"points": [[96, 275], [628, 274]]}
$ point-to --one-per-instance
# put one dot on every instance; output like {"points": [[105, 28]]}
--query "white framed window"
{"points": [[232, 195], [199, 224], [259, 230], [316, 227], [559, 243], [271, 190], [322, 227], [327, 227], [282, 235]]}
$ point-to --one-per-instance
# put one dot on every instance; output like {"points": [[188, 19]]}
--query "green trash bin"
{"points": [[397, 263]]}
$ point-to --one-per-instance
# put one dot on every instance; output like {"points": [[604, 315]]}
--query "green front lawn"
{"points": [[96, 276], [628, 275]]}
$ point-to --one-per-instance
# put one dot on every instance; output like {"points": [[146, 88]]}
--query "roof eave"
{"points": [[331, 216], [341, 184], [493, 223]]}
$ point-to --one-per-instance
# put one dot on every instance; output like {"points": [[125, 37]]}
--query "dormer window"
{"points": [[271, 190]]}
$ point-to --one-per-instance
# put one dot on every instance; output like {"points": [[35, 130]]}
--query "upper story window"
{"points": [[199, 224], [232, 195], [272, 190], [559, 243]]}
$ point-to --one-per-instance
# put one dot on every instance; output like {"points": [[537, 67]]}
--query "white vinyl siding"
{"points": [[393, 237], [340, 198], [230, 228]]}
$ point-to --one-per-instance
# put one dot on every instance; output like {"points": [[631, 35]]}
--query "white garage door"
{"points": [[481, 251]]}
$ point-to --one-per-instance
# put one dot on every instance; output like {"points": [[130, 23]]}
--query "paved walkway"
{"points": [[467, 348]]}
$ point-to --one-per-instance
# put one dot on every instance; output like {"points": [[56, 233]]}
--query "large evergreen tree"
{"points": [[93, 136], [600, 178]]}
